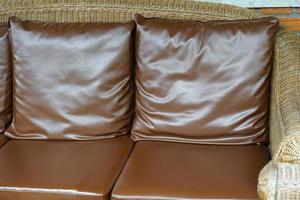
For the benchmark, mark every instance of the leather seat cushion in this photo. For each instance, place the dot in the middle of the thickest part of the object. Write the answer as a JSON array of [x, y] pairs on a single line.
[[64, 170], [162, 170]]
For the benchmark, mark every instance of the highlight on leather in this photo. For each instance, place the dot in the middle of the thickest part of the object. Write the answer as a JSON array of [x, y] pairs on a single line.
[[203, 81], [71, 80]]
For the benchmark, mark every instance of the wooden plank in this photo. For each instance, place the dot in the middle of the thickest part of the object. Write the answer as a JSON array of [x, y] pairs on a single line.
[[259, 3], [275, 11], [291, 23]]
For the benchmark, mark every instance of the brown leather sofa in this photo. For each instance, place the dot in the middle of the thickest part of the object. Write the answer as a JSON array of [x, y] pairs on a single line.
[[41, 166]]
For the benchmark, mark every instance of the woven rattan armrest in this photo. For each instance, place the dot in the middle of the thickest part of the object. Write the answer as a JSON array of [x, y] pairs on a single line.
[[285, 100]]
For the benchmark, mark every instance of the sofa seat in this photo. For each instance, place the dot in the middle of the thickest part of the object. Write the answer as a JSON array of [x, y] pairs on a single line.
[[163, 170], [63, 170]]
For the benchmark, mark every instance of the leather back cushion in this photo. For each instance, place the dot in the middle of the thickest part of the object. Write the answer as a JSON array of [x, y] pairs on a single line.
[[203, 82], [71, 80], [5, 79]]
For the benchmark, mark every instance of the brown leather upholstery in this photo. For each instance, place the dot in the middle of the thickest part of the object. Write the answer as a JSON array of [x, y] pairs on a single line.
[[3, 139], [5, 79], [164, 170], [61, 170], [71, 80], [203, 82]]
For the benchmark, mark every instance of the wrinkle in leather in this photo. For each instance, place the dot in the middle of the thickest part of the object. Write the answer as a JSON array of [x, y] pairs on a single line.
[[203, 82], [5, 79], [64, 170], [3, 140], [71, 80]]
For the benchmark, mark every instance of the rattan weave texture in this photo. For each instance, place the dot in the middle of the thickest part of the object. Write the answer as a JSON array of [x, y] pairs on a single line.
[[279, 181]]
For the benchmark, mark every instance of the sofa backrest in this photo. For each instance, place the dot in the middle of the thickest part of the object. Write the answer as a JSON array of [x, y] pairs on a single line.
[[118, 10], [124, 10]]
